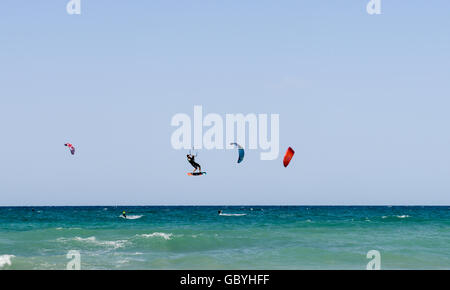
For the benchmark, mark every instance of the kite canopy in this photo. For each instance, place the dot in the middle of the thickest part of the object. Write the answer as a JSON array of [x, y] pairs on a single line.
[[71, 148], [241, 152], [288, 156]]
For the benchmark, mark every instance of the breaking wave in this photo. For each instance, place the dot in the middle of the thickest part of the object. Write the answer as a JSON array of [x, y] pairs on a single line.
[[233, 214], [396, 216], [158, 235], [131, 217], [6, 260], [94, 241]]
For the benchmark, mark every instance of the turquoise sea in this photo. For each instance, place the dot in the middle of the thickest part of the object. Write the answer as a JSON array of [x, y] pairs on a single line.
[[243, 237]]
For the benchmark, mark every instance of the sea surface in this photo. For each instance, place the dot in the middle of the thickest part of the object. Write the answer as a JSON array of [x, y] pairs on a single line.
[[243, 237]]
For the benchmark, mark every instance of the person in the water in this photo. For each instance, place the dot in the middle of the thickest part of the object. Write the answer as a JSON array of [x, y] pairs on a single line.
[[219, 212], [191, 160], [124, 214]]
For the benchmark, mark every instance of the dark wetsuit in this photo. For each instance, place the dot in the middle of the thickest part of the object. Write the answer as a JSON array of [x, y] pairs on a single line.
[[191, 160]]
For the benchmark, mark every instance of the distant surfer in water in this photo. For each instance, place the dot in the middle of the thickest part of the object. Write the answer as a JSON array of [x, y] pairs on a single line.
[[191, 160], [219, 212], [124, 214]]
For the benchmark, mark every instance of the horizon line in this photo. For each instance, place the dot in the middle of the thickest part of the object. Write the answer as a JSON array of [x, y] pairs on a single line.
[[234, 205]]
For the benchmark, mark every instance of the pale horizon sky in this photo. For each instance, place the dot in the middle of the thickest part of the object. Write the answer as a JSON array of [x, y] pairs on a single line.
[[363, 100]]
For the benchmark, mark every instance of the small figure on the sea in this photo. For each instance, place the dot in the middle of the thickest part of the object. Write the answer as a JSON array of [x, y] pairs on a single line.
[[124, 214], [219, 212]]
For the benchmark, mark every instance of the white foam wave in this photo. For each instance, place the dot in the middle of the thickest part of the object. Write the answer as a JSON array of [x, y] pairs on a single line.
[[232, 214], [397, 216], [403, 216], [131, 217], [61, 228], [6, 260], [160, 235], [93, 240]]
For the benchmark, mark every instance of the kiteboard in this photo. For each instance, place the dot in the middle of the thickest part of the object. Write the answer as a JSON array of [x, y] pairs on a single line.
[[196, 173]]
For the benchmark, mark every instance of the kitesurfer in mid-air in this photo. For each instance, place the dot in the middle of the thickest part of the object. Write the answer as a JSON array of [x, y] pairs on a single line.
[[191, 160]]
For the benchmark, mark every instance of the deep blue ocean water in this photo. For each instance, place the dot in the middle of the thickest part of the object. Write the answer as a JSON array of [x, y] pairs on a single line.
[[244, 237]]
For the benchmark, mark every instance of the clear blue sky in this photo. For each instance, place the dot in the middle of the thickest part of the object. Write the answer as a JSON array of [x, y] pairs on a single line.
[[364, 100]]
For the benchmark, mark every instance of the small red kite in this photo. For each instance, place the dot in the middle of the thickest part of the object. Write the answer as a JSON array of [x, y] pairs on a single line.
[[288, 156]]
